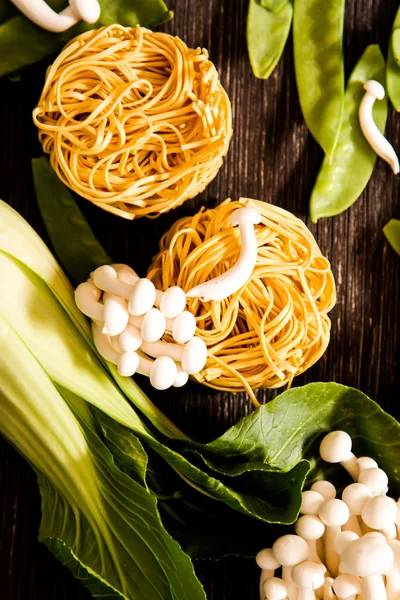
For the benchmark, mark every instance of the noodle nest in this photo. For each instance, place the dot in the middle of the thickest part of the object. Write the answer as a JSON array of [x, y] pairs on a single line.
[[273, 328], [134, 121]]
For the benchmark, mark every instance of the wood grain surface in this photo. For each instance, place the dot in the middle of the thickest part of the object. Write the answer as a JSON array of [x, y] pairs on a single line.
[[273, 158]]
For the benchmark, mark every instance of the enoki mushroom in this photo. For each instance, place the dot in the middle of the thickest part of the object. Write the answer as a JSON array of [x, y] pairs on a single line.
[[134, 121], [274, 327]]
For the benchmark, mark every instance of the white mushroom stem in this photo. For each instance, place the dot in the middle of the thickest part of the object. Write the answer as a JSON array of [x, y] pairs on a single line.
[[88, 10], [116, 314], [268, 564], [193, 355], [375, 91], [232, 280], [87, 297], [327, 591], [105, 278], [334, 513], [393, 574], [103, 344], [336, 448], [40, 13]]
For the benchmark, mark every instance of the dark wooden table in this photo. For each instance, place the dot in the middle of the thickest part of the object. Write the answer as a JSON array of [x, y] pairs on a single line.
[[273, 158]]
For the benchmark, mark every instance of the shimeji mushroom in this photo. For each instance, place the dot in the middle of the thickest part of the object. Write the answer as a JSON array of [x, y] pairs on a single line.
[[355, 496], [308, 577], [193, 355], [375, 479], [116, 314], [336, 448], [87, 299], [162, 372], [40, 13], [366, 462], [130, 339], [393, 574], [172, 302], [289, 551], [142, 297], [128, 363], [236, 277], [105, 278], [347, 587], [311, 502], [268, 564], [153, 325], [375, 91], [334, 513], [327, 591], [325, 488], [275, 589], [311, 529], [369, 557], [380, 512], [182, 327]]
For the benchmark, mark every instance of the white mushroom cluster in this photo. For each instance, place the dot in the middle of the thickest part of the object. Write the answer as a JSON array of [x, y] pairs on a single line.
[[130, 318], [344, 549]]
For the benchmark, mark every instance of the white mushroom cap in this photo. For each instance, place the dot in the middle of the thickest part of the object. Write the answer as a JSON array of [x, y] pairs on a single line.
[[379, 512], [347, 586], [173, 302], [181, 378], [266, 560], [194, 356], [375, 479], [375, 88], [342, 539], [130, 339], [290, 550], [336, 447], [127, 364], [308, 575], [366, 462], [275, 589], [184, 327], [153, 325], [245, 215], [142, 297], [334, 513], [163, 373], [310, 527], [325, 488], [311, 502], [355, 496], [368, 556]]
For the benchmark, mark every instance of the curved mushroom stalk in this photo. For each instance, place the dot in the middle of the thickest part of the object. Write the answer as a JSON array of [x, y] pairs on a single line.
[[232, 280], [40, 13], [193, 355], [375, 91], [87, 299]]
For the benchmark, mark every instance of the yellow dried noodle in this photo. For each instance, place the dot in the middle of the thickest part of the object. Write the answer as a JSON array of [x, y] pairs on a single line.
[[134, 121], [276, 326]]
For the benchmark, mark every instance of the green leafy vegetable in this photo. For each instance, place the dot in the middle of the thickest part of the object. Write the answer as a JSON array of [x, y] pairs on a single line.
[[392, 233], [340, 183], [88, 253], [98, 522], [319, 66], [393, 67], [22, 43], [267, 33]]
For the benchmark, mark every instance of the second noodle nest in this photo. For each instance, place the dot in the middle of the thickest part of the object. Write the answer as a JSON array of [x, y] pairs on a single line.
[[276, 326]]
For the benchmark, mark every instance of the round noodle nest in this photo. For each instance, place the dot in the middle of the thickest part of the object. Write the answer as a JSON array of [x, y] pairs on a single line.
[[134, 121], [273, 328]]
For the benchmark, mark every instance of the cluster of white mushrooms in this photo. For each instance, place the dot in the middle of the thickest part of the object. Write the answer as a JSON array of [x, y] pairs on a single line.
[[344, 549], [129, 318]]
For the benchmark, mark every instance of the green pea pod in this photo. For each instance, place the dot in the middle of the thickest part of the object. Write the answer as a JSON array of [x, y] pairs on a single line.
[[318, 59], [274, 5], [267, 33], [393, 68], [392, 233], [340, 183]]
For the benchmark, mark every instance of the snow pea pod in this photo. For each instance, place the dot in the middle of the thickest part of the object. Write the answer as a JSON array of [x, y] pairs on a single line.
[[393, 68], [318, 59], [340, 183], [392, 233], [267, 32], [274, 5]]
